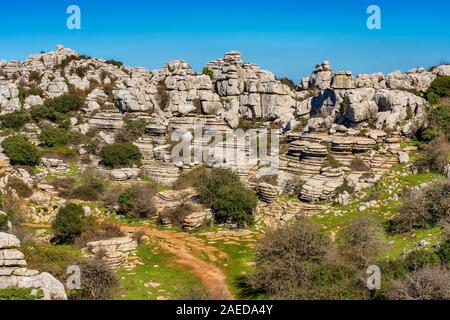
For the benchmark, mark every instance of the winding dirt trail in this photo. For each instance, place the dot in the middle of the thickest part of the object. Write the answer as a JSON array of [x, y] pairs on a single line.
[[191, 252]]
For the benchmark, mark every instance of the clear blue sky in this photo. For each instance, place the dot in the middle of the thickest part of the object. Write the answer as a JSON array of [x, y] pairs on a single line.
[[287, 37]]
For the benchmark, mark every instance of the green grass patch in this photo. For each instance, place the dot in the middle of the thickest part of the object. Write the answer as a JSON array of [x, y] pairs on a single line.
[[159, 276]]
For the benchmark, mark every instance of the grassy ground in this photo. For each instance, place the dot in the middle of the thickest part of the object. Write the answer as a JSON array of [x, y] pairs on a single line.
[[386, 194], [158, 277]]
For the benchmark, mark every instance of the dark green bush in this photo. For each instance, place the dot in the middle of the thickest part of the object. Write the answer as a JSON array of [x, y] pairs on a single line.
[[439, 119], [421, 259], [3, 222], [20, 151], [444, 252], [69, 223], [15, 120], [120, 154], [54, 137], [288, 82], [224, 192], [440, 87], [64, 104]]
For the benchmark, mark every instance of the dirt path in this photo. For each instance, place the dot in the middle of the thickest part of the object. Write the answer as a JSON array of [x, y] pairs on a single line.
[[191, 252], [195, 254]]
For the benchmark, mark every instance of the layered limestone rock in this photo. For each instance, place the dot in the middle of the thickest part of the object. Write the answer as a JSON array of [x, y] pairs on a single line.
[[323, 186], [114, 252], [267, 192], [13, 271], [197, 219]]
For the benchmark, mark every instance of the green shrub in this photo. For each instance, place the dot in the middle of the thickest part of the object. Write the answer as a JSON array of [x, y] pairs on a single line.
[[421, 259], [224, 192], [97, 230], [15, 120], [137, 202], [440, 87], [20, 151], [439, 119], [444, 252], [235, 203], [208, 72], [120, 154], [64, 104], [54, 137], [359, 165], [22, 189], [21, 294], [3, 222], [69, 223]]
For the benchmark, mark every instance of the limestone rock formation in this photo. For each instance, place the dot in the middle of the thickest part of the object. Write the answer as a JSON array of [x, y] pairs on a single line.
[[13, 271]]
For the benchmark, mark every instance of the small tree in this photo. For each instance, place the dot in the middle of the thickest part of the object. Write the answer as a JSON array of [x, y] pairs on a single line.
[[97, 281], [20, 151], [69, 223], [120, 154], [137, 202], [361, 240]]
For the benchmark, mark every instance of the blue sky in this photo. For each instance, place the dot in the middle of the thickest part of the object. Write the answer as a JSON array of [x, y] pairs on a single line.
[[287, 37]]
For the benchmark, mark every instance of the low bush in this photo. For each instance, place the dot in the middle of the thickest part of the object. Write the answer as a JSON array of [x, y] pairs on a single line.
[[434, 156], [15, 120], [115, 63], [444, 252], [440, 87], [21, 188], [137, 202], [421, 259], [431, 283], [89, 187], [423, 208], [54, 137], [64, 104], [20, 151], [120, 154], [439, 119], [69, 223], [98, 282]]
